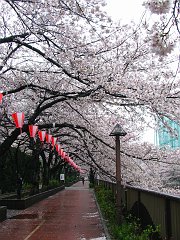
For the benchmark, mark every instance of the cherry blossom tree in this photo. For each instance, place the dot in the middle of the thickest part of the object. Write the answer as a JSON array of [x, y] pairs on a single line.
[[164, 31], [75, 73]]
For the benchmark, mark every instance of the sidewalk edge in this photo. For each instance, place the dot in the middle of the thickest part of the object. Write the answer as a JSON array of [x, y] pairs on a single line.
[[107, 235]]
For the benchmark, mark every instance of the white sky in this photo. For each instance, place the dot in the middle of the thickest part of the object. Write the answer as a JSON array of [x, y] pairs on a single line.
[[125, 10]]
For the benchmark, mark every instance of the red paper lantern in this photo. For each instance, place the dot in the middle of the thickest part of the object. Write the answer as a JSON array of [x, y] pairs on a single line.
[[67, 158], [61, 152], [54, 139], [70, 160], [42, 135], [33, 130], [64, 155], [18, 119], [48, 138], [77, 167], [1, 97], [57, 148], [73, 165]]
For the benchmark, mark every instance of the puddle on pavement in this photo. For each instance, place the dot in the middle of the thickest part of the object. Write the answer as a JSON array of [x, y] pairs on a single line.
[[91, 215], [99, 238]]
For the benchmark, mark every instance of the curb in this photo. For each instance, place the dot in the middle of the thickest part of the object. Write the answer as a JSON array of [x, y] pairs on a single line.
[[107, 235]]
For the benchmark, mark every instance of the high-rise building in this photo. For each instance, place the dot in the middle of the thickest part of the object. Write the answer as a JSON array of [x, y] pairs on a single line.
[[168, 136]]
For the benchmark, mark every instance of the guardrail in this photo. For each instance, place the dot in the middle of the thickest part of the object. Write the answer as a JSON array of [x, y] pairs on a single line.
[[152, 208]]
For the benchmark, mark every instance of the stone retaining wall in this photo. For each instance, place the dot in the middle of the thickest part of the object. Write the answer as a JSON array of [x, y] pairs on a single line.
[[27, 202], [3, 213]]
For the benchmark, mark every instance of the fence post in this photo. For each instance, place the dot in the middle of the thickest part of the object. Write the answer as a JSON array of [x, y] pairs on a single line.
[[139, 202], [126, 199], [168, 222]]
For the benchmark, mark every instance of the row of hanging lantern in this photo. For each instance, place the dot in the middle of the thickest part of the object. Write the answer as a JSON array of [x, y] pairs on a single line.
[[18, 119], [66, 158], [33, 130]]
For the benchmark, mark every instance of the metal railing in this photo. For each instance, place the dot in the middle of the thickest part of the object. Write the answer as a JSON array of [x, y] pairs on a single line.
[[162, 209]]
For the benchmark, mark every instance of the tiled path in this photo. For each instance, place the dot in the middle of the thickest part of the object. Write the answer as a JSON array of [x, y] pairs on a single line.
[[71, 214]]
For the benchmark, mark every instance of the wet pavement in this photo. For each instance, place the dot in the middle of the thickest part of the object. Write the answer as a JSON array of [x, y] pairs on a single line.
[[71, 214]]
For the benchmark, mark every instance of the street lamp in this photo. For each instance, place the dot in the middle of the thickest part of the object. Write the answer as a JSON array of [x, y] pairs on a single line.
[[117, 132]]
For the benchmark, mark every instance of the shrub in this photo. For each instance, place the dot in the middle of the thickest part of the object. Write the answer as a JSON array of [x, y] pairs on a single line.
[[27, 186], [91, 185], [53, 183]]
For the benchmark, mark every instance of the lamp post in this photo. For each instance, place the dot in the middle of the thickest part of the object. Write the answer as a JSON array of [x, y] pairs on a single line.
[[117, 132]]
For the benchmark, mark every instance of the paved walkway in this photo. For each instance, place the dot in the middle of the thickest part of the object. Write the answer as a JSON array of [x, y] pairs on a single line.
[[71, 214]]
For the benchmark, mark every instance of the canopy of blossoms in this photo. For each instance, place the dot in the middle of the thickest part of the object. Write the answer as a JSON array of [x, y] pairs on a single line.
[[74, 73]]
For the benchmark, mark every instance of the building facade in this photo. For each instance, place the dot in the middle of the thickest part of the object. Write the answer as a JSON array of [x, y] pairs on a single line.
[[168, 137]]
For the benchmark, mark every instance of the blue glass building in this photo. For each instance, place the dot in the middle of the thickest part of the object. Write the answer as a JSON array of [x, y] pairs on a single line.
[[165, 138]]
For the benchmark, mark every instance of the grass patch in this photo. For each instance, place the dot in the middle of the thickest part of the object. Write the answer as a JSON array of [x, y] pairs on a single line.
[[130, 229]]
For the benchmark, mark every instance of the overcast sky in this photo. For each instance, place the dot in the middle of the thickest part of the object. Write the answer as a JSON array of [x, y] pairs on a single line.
[[126, 10]]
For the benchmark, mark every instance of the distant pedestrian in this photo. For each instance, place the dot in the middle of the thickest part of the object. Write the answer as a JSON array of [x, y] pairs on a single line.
[[82, 180]]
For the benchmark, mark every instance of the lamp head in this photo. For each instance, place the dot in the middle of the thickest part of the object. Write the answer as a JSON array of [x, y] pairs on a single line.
[[118, 131]]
